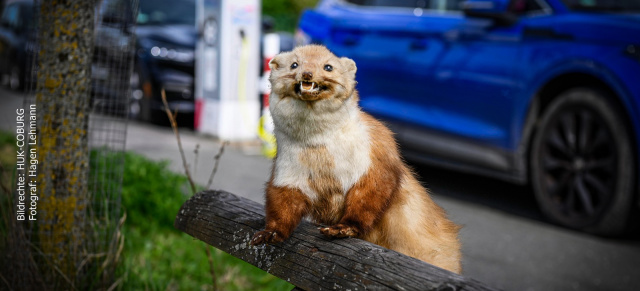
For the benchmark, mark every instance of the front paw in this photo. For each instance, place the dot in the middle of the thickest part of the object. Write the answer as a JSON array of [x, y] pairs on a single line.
[[267, 237], [339, 231]]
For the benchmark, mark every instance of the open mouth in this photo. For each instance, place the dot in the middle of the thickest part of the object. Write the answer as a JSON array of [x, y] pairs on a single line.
[[308, 90], [308, 86]]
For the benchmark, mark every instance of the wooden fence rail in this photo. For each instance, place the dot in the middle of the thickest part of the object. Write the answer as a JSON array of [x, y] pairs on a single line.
[[308, 259]]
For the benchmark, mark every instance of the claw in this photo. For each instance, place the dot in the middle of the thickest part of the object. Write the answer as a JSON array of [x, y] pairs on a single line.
[[266, 237], [339, 231]]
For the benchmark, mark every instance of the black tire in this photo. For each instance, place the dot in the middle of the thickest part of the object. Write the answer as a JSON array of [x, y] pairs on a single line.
[[582, 164]]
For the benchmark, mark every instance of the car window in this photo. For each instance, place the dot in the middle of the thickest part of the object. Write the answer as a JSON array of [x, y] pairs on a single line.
[[523, 7], [604, 5], [116, 12], [159, 12], [10, 16], [441, 5]]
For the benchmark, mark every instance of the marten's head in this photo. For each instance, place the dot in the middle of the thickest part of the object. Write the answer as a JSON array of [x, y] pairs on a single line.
[[312, 73]]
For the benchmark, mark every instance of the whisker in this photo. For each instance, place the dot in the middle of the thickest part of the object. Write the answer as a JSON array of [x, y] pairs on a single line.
[[290, 76]]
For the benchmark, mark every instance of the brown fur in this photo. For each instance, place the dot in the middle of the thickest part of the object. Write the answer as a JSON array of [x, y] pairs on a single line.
[[282, 220], [386, 205]]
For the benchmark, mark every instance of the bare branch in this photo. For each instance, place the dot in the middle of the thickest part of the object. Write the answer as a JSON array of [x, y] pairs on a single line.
[[217, 161], [174, 126], [213, 272], [195, 158]]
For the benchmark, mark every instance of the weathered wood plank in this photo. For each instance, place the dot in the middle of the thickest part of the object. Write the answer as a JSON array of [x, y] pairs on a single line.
[[308, 259]]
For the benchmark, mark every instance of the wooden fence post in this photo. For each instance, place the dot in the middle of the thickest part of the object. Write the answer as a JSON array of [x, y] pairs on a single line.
[[308, 259]]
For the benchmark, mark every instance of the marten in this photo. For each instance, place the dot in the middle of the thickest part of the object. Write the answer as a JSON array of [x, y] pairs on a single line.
[[340, 167]]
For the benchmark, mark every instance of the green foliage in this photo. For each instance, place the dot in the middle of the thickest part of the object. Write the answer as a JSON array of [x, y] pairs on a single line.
[[286, 12], [158, 257]]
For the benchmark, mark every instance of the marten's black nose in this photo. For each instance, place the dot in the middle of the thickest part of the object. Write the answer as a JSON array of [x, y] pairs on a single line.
[[307, 75]]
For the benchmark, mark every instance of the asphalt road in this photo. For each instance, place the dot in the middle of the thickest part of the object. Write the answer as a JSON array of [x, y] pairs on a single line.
[[506, 242]]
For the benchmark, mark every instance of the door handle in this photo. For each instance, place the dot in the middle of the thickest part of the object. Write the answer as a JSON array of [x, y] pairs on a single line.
[[350, 41], [545, 32]]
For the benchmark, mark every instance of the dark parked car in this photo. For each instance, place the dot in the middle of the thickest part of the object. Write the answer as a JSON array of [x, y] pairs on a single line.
[[112, 54], [114, 41], [165, 53], [16, 42], [545, 92]]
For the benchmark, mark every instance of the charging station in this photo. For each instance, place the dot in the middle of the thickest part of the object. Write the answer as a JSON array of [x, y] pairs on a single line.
[[227, 68]]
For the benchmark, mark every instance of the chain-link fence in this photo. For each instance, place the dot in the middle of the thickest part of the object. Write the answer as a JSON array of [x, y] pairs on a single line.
[[76, 107]]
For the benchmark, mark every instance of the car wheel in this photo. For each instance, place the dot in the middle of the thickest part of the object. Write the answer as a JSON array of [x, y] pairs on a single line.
[[583, 169]]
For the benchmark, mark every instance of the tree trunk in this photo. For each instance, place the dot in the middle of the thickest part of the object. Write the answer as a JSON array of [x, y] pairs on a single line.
[[65, 35]]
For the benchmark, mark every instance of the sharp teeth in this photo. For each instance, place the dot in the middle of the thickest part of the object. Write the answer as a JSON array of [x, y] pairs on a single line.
[[312, 87]]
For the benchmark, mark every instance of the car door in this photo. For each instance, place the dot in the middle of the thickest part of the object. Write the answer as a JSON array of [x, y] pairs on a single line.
[[481, 73], [377, 35], [396, 45], [477, 77]]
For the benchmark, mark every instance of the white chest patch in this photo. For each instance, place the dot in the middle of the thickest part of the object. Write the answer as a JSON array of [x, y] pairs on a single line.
[[319, 147]]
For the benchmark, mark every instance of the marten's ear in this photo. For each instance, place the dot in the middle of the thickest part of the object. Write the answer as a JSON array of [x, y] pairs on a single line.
[[277, 61], [273, 63], [349, 66]]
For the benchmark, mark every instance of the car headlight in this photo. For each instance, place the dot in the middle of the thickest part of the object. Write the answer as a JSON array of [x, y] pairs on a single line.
[[170, 54]]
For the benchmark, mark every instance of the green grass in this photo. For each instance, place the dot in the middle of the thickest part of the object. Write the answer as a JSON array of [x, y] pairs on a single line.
[[158, 257], [7, 151], [7, 172]]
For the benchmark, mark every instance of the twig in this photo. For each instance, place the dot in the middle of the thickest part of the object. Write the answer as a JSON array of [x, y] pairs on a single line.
[[213, 272], [6, 282], [120, 248], [195, 158], [52, 265], [116, 284], [174, 126], [86, 260], [217, 161]]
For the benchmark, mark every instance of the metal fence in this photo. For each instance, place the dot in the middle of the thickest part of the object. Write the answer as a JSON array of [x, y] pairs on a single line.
[[78, 95]]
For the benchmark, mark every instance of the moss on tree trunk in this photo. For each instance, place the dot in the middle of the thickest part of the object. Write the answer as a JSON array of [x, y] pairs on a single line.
[[63, 91]]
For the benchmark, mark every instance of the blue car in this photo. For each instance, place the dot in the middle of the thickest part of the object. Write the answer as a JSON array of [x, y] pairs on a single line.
[[545, 92]]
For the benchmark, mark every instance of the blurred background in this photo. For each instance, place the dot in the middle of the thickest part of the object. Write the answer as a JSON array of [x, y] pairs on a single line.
[[521, 116]]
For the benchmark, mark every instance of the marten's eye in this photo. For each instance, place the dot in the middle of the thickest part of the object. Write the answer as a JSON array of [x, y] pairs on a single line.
[[294, 65], [328, 68]]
